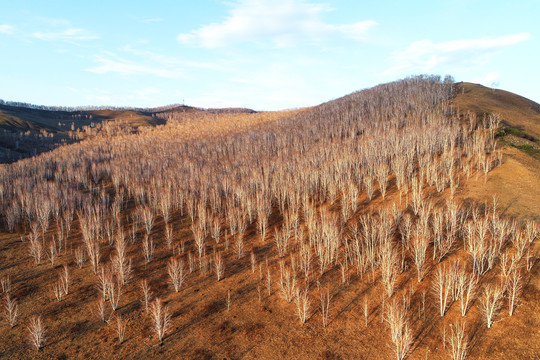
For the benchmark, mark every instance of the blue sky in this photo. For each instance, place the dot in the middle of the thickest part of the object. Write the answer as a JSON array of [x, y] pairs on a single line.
[[265, 55]]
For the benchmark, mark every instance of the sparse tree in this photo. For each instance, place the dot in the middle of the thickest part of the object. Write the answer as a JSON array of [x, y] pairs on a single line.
[[219, 265], [458, 341], [11, 310], [514, 290], [324, 295], [303, 303], [490, 303], [177, 275], [161, 318], [36, 332], [146, 294]]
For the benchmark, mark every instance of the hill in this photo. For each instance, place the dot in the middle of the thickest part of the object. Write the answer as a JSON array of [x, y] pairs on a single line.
[[364, 227], [27, 130], [516, 181], [515, 111]]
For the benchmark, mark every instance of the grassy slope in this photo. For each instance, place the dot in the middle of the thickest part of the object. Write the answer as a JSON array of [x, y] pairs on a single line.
[[515, 110], [516, 182]]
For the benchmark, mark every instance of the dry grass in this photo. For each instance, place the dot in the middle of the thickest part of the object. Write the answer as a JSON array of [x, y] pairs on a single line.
[[345, 261]]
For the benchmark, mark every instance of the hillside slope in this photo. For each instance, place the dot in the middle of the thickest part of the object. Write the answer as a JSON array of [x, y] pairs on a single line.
[[13, 117], [515, 183], [352, 229], [516, 111], [27, 130]]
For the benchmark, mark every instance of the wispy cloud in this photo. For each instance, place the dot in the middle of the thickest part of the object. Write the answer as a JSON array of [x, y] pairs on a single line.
[[111, 63], [280, 22], [132, 61], [168, 61], [6, 29], [66, 35], [425, 55]]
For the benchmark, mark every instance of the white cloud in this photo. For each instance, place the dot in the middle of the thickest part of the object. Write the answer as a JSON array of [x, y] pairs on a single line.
[[357, 30], [114, 64], [6, 29], [142, 62], [490, 79], [169, 61], [281, 22], [66, 35], [425, 55]]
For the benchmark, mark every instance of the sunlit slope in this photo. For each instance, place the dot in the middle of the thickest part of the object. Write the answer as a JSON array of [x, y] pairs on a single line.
[[515, 110], [516, 182]]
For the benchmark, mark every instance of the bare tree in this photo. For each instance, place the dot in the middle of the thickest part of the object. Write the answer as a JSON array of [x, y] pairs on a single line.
[[146, 294], [36, 332], [169, 236], [514, 290], [490, 303], [389, 267], [400, 331], [120, 328], [324, 295], [458, 341], [148, 248], [303, 303], [253, 262], [262, 223], [177, 275], [287, 282], [442, 287], [6, 284], [419, 246], [366, 310], [219, 265], [147, 216], [35, 248], [114, 289], [216, 229], [11, 310], [64, 279], [79, 257], [101, 310], [282, 240], [161, 318], [198, 235]]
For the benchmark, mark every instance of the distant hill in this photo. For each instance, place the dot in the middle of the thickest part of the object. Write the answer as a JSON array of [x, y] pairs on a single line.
[[27, 130]]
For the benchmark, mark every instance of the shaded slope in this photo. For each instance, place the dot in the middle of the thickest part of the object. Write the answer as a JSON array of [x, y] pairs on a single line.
[[27, 130], [12, 117]]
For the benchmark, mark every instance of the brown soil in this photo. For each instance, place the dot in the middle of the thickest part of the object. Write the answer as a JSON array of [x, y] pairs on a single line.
[[203, 328]]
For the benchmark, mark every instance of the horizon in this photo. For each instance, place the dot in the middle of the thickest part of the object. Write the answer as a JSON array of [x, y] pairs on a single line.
[[256, 54]]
